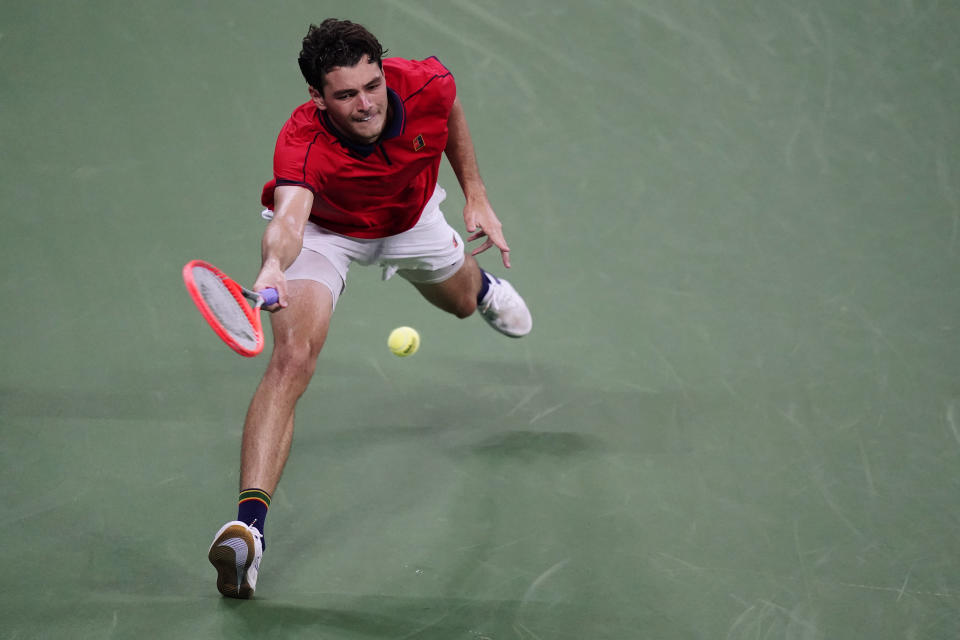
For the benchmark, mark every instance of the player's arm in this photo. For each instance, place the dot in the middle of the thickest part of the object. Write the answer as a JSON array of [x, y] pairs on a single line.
[[477, 214], [283, 238]]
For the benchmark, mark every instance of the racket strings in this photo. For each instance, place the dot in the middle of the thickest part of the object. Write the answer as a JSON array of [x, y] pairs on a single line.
[[230, 310]]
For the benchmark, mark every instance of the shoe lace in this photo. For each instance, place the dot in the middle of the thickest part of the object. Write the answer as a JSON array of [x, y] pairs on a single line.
[[494, 298], [254, 531]]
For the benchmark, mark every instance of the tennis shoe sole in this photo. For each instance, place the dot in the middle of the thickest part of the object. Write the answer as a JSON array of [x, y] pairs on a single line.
[[235, 553]]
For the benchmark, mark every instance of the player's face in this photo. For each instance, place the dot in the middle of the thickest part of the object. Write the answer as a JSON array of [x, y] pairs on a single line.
[[355, 98]]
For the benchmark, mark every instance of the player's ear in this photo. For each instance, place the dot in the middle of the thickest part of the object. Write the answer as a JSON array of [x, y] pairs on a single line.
[[317, 98]]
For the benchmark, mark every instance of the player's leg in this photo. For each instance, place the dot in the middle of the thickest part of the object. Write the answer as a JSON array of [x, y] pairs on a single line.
[[431, 257], [471, 288], [458, 293], [314, 282], [299, 332]]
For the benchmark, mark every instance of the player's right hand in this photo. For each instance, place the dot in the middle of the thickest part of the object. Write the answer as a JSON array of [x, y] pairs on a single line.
[[272, 276]]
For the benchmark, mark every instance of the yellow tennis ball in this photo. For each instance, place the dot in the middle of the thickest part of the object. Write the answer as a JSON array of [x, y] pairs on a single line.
[[404, 341]]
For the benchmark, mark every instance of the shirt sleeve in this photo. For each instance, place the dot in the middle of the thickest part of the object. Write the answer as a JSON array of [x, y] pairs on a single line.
[[446, 85], [296, 154]]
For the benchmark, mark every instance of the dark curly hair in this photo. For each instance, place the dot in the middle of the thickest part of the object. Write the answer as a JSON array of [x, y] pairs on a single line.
[[336, 43]]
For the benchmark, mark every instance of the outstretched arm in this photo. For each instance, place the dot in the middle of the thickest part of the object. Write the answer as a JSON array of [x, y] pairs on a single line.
[[283, 239], [477, 214]]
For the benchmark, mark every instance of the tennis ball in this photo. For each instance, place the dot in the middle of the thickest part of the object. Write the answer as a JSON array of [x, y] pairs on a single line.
[[404, 341]]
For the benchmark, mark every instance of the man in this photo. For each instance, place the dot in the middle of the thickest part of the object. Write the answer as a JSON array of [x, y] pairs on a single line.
[[355, 180]]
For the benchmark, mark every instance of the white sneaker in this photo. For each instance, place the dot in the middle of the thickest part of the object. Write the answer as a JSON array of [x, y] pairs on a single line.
[[504, 309], [235, 553]]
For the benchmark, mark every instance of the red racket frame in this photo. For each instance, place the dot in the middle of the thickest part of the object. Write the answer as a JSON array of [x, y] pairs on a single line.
[[252, 313]]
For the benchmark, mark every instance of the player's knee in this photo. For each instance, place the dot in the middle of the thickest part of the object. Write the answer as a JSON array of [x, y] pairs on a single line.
[[293, 363], [465, 307]]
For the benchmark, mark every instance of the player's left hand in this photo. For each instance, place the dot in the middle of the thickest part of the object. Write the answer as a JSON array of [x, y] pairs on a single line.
[[483, 222]]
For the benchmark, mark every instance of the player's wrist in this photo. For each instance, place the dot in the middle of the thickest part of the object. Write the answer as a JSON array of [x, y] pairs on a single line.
[[270, 263], [476, 197]]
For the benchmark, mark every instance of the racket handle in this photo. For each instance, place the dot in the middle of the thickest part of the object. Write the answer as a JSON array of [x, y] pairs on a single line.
[[270, 296]]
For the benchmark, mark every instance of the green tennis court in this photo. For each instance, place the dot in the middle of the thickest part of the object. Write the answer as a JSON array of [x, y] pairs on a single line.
[[738, 413]]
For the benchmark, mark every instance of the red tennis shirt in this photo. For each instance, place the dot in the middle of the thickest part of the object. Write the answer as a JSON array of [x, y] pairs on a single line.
[[376, 190]]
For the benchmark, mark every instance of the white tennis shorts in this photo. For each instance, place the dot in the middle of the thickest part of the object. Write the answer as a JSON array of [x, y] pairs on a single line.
[[430, 252]]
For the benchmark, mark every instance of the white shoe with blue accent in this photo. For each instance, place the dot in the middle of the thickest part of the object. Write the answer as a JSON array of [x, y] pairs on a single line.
[[235, 553], [504, 309]]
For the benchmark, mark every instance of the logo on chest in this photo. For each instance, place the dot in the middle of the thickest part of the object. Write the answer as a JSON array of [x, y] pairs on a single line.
[[418, 143]]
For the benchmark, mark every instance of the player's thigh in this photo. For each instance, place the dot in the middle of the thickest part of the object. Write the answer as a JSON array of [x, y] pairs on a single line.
[[327, 262], [301, 328]]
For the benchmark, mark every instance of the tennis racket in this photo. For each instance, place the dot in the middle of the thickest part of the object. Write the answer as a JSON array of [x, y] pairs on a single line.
[[224, 305]]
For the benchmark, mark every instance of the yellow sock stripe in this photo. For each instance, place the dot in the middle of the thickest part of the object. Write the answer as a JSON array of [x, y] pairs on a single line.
[[255, 494]]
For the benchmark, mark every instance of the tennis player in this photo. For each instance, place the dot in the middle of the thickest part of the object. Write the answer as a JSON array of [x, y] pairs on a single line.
[[355, 181]]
